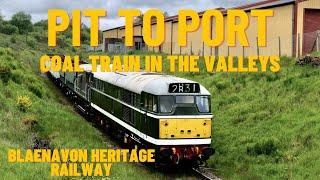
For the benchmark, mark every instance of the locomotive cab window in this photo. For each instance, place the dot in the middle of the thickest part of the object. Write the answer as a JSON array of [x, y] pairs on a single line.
[[154, 104], [184, 99], [150, 102], [166, 104], [203, 104]]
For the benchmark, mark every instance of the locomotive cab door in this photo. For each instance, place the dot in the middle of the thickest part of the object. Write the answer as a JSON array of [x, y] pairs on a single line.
[[143, 104], [89, 84], [81, 85]]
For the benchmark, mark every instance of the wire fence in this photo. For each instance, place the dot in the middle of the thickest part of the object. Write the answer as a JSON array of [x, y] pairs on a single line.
[[285, 45]]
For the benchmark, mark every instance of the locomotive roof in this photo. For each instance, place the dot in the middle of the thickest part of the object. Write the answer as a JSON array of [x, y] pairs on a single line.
[[153, 83]]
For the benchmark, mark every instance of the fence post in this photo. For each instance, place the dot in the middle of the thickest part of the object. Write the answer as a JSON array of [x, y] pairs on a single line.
[[202, 48], [191, 48], [298, 45], [216, 51], [293, 46], [318, 34], [243, 51], [279, 46], [180, 50], [317, 43], [228, 50], [258, 50]]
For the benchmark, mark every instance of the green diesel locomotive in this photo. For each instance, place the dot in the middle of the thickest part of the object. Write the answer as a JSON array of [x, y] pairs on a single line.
[[150, 110]]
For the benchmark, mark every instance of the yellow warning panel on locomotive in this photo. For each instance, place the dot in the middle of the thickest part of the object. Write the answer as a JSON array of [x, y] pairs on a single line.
[[185, 128]]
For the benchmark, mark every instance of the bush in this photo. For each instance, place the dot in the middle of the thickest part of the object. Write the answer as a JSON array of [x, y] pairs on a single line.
[[43, 24], [63, 42], [9, 51], [31, 42], [13, 39], [9, 29], [24, 103], [5, 72], [2, 51], [40, 37]]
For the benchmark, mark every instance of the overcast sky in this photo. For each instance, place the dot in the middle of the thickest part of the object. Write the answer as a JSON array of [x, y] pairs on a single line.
[[39, 8]]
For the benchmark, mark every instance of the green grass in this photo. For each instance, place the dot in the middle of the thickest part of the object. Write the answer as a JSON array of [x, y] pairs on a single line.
[[316, 53]]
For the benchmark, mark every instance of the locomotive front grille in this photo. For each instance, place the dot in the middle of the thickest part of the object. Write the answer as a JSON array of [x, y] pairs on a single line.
[[184, 128]]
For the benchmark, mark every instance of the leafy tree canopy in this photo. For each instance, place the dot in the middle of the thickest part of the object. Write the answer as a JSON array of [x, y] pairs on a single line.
[[42, 23], [23, 22]]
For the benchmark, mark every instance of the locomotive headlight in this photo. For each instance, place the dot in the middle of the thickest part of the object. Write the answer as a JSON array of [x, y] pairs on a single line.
[[174, 151], [197, 150]]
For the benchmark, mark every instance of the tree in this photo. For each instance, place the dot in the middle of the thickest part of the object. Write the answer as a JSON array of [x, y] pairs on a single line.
[[85, 36], [1, 20], [42, 23], [166, 14], [139, 19], [23, 22], [8, 29]]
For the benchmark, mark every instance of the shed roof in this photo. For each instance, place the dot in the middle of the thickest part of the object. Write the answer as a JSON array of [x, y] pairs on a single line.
[[256, 5]]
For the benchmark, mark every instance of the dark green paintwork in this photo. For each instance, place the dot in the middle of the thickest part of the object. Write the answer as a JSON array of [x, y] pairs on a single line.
[[140, 121]]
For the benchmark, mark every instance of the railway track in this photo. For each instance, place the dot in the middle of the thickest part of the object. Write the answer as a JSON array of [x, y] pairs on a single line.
[[205, 173]]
